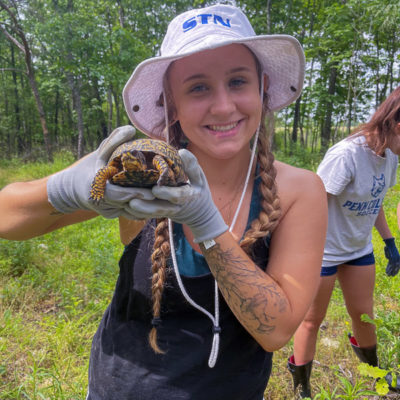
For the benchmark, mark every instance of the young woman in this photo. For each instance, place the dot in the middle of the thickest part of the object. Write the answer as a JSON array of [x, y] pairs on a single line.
[[217, 273], [357, 172]]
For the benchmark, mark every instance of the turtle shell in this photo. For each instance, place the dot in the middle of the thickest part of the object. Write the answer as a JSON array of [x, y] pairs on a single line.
[[140, 163]]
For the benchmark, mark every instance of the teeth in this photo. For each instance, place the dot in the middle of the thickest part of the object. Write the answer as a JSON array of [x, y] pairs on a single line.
[[222, 128]]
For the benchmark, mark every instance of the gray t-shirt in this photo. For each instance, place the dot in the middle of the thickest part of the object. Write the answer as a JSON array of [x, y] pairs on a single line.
[[358, 179]]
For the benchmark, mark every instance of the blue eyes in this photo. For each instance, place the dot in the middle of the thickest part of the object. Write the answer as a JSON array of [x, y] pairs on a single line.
[[237, 82], [234, 83], [198, 89]]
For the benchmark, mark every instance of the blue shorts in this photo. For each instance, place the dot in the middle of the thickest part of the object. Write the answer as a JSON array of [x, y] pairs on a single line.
[[368, 259]]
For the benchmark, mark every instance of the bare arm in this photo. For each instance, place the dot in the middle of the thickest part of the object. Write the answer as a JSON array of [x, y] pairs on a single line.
[[26, 212], [129, 229], [381, 225], [271, 304]]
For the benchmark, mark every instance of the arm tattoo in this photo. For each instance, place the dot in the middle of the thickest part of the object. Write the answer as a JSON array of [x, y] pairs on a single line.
[[243, 286], [56, 212]]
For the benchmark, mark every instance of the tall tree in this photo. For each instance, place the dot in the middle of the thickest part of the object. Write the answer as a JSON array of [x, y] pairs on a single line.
[[23, 46]]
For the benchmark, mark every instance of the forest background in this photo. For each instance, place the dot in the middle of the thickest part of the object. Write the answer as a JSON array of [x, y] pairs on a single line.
[[63, 64]]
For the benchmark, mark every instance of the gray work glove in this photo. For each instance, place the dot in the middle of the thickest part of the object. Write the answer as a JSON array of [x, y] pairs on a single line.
[[69, 190], [191, 204]]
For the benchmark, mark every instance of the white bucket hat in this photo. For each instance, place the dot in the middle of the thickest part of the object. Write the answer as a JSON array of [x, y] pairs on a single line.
[[281, 58]]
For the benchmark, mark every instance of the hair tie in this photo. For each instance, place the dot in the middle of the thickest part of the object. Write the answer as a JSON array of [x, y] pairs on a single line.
[[156, 322]]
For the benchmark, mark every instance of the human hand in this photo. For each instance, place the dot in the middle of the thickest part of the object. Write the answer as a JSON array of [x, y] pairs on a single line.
[[190, 204], [69, 190], [392, 254]]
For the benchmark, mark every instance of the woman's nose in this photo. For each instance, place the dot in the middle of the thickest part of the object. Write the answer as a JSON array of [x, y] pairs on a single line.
[[223, 102]]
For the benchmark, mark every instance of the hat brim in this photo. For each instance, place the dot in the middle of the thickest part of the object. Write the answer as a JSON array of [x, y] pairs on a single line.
[[281, 58]]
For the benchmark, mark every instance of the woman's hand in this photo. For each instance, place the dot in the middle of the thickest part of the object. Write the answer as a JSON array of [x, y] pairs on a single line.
[[393, 256], [190, 204], [69, 190]]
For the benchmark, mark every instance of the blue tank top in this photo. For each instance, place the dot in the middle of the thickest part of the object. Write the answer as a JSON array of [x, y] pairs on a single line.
[[124, 367], [192, 263]]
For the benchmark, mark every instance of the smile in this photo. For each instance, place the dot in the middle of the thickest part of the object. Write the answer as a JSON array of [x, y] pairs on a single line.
[[222, 128]]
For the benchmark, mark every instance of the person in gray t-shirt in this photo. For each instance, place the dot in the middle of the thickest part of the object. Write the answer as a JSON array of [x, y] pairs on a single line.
[[356, 172]]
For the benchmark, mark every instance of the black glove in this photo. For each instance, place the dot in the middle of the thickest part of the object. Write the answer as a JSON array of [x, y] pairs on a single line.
[[392, 254]]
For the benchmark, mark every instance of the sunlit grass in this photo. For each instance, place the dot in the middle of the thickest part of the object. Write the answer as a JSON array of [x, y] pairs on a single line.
[[55, 288]]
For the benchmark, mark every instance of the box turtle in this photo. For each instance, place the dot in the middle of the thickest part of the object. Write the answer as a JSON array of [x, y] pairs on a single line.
[[140, 163]]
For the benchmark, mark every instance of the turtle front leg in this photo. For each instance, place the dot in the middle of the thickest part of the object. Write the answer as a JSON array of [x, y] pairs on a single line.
[[167, 177], [99, 182]]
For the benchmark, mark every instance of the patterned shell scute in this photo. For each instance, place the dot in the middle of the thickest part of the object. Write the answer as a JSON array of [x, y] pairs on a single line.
[[150, 146]]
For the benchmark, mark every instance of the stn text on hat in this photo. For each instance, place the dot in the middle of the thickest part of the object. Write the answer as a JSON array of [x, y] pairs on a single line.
[[203, 19]]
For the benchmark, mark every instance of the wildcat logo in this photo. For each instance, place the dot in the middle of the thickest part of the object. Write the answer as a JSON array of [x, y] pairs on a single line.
[[378, 186], [204, 19]]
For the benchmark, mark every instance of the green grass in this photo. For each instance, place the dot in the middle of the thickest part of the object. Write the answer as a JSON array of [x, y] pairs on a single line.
[[55, 288], [335, 366]]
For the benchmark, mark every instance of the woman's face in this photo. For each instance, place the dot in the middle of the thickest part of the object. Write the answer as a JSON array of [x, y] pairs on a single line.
[[217, 99]]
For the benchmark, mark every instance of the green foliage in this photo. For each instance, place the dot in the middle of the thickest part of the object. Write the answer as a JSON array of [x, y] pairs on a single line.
[[17, 169], [378, 374], [53, 292], [353, 391], [55, 288], [326, 394], [299, 157], [97, 44], [334, 357]]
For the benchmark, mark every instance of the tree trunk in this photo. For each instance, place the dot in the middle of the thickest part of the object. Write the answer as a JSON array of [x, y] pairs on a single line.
[[24, 47], [18, 135], [296, 119], [77, 105], [121, 14], [110, 110], [102, 120], [269, 16], [56, 106], [327, 123], [116, 102], [350, 115]]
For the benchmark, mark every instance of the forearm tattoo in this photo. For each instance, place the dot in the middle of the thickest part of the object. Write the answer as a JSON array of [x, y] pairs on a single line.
[[255, 302], [56, 212]]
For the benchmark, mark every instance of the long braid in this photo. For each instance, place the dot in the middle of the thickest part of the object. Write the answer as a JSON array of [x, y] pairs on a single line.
[[161, 247], [161, 252], [270, 206], [260, 227]]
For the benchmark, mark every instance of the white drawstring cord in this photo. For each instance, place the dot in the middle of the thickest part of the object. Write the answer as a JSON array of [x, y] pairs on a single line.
[[253, 153], [166, 116], [214, 318]]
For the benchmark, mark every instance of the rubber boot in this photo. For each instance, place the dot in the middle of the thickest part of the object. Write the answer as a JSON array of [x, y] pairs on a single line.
[[369, 355], [301, 378], [365, 354]]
